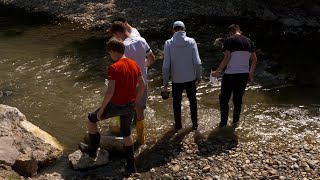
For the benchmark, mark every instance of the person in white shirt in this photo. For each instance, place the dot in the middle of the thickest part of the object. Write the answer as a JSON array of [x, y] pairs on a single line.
[[137, 49], [132, 30], [183, 64]]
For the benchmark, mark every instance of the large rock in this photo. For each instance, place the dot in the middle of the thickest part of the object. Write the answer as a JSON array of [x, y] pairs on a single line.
[[8, 152], [291, 22], [26, 145], [79, 160], [6, 172]]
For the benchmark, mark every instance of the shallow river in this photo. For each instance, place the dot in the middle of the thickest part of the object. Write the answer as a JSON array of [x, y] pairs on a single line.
[[54, 73]]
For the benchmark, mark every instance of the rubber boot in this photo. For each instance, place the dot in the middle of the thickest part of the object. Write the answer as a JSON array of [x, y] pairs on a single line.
[[92, 147], [140, 132], [130, 166]]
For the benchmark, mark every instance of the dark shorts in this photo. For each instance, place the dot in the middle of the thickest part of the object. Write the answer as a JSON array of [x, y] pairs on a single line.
[[125, 111]]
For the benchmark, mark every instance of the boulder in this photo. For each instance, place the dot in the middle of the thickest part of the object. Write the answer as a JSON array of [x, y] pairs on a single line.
[[8, 152], [80, 161], [290, 22], [268, 15], [26, 144], [6, 172]]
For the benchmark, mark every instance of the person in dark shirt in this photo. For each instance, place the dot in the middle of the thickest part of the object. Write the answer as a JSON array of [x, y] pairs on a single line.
[[238, 52]]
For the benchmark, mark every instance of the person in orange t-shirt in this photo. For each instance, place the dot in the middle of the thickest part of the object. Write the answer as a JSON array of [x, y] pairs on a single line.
[[119, 100]]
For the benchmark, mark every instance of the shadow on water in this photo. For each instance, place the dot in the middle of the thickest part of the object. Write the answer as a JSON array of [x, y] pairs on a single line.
[[89, 54], [162, 151], [14, 21]]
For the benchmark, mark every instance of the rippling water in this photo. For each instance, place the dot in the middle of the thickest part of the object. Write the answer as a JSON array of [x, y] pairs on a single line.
[[54, 73]]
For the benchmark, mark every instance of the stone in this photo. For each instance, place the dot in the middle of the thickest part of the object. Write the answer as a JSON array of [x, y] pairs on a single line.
[[168, 176], [53, 176], [35, 146], [26, 166], [6, 172], [206, 169], [8, 152], [80, 161], [175, 168], [290, 22], [268, 15]]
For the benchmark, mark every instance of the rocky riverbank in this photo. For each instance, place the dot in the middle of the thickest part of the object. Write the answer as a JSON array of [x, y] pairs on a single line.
[[157, 15]]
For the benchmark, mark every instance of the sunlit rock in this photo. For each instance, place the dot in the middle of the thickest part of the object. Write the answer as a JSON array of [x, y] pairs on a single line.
[[79, 160], [31, 147]]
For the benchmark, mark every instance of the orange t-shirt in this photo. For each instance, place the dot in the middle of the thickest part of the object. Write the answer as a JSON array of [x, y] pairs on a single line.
[[125, 72]]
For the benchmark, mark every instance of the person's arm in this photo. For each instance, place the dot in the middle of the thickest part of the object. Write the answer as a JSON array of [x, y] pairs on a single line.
[[141, 88], [150, 59], [223, 64], [253, 65], [196, 62], [108, 95], [166, 66]]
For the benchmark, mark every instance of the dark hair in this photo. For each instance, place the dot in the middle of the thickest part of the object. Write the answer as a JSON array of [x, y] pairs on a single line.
[[115, 45], [233, 28], [122, 19], [178, 28], [117, 26]]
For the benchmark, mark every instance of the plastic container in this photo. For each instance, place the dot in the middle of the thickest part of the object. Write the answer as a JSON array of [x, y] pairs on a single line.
[[213, 80]]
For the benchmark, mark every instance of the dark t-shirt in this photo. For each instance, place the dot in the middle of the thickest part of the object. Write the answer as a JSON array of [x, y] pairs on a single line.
[[238, 43]]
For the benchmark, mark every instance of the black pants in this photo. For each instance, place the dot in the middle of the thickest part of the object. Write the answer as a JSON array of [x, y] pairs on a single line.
[[232, 84], [191, 89]]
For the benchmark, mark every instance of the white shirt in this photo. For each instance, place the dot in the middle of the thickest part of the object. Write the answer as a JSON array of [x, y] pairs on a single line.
[[137, 48], [134, 33]]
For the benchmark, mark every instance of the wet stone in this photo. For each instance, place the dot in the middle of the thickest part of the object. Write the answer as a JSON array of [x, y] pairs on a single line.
[[206, 169]]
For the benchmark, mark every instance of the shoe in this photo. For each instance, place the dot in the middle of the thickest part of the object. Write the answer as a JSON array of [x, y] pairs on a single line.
[[194, 127], [84, 148], [221, 125], [235, 124], [130, 167], [178, 126]]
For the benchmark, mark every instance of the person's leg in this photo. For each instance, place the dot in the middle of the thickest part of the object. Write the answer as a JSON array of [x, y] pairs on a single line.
[[239, 89], [225, 94], [140, 107], [125, 128], [177, 89], [191, 89], [94, 136]]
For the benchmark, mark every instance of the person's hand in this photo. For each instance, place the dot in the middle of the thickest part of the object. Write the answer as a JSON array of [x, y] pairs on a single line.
[[197, 82], [166, 88], [99, 114], [250, 80], [215, 73]]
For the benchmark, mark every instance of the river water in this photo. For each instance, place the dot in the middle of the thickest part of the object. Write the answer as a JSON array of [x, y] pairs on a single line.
[[54, 71]]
